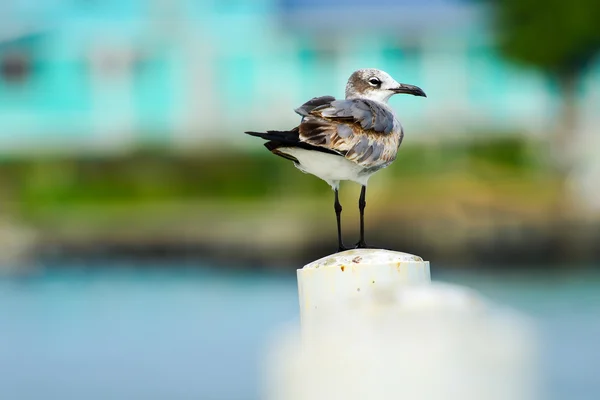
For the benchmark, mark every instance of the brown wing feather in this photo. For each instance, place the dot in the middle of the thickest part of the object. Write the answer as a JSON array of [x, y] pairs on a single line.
[[347, 136]]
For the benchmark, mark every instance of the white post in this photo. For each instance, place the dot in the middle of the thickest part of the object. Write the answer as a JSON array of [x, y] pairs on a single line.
[[340, 283], [374, 327]]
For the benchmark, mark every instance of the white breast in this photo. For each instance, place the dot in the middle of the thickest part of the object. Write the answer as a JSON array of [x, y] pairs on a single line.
[[329, 167]]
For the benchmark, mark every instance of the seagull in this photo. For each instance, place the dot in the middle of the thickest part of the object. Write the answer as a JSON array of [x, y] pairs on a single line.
[[345, 140]]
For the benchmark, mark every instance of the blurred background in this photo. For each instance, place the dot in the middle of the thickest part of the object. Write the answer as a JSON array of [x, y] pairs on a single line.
[[148, 245]]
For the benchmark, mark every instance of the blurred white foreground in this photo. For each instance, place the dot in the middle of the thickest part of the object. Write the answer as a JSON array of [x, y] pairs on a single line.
[[378, 329]]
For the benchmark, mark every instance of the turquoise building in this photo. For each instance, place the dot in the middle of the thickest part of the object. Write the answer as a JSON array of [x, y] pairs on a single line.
[[106, 75]]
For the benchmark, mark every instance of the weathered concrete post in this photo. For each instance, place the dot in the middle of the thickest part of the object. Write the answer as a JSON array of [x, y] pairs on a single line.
[[343, 282], [374, 327]]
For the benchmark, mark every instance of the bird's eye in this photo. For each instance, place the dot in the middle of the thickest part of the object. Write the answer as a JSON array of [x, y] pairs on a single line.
[[375, 81]]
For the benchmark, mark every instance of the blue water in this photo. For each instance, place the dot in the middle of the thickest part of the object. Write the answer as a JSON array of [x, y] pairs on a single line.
[[176, 333]]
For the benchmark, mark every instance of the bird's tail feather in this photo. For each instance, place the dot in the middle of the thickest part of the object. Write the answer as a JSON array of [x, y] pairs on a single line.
[[277, 135], [277, 139]]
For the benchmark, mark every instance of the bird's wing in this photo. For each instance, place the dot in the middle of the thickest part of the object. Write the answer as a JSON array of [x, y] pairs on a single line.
[[357, 129], [313, 103]]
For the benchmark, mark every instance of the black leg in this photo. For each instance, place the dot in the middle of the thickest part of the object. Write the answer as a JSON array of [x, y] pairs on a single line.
[[338, 214], [362, 203]]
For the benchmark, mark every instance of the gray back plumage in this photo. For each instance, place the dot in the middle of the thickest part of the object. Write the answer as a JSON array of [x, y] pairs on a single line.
[[362, 130], [370, 114], [313, 103]]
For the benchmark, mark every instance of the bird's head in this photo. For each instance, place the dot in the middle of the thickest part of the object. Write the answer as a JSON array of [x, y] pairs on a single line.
[[374, 84]]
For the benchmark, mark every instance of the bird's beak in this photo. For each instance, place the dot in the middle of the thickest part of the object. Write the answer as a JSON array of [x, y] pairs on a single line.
[[409, 89]]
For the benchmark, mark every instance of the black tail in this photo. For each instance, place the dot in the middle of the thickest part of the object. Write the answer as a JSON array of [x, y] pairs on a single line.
[[287, 137], [291, 138]]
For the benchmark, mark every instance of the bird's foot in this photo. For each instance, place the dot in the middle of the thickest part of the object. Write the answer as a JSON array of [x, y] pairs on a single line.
[[342, 248], [362, 245]]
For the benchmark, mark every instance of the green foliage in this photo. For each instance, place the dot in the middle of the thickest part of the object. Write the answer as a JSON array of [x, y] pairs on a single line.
[[557, 36], [507, 152], [150, 177]]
